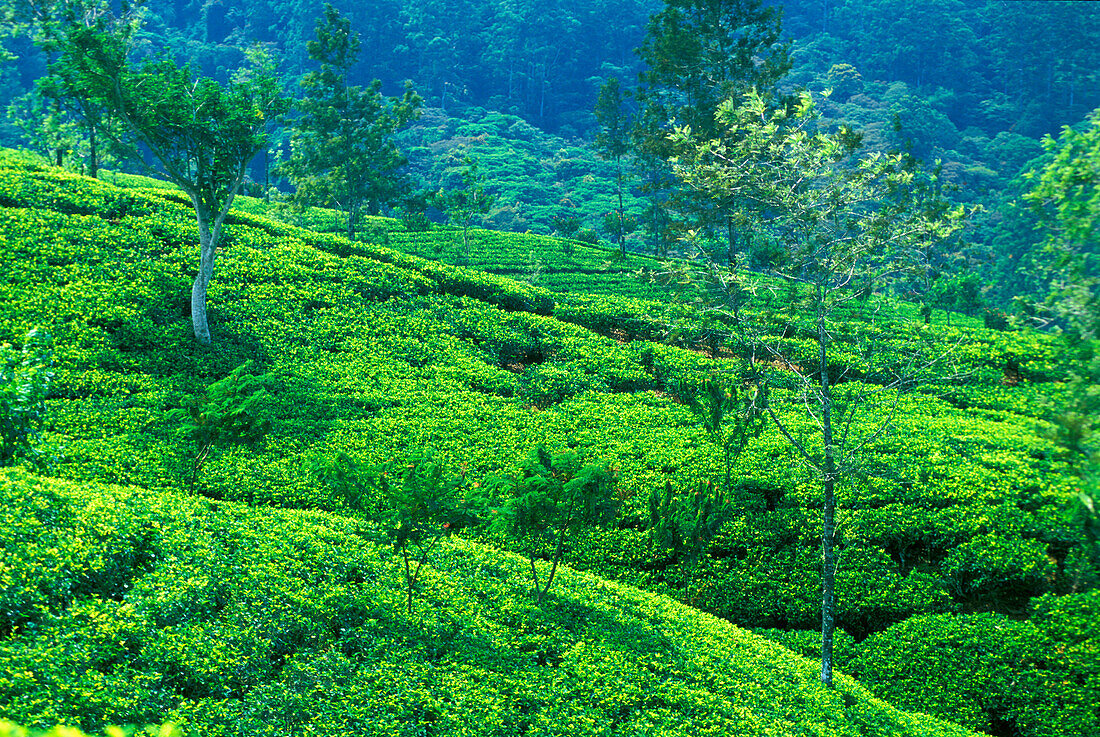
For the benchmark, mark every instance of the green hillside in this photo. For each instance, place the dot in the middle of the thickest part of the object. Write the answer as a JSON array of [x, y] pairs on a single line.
[[237, 617], [228, 619]]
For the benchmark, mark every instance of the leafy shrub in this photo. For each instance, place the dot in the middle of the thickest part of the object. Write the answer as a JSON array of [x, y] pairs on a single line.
[[588, 235], [685, 524], [551, 383], [25, 378], [229, 411], [992, 567], [1036, 678], [264, 621], [995, 319], [423, 503]]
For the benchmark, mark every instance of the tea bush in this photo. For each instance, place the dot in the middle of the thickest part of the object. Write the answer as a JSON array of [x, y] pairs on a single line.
[[993, 673], [376, 354], [253, 621]]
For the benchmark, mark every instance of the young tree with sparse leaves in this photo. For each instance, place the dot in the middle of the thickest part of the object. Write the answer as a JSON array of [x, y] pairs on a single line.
[[613, 144], [844, 221], [466, 203]]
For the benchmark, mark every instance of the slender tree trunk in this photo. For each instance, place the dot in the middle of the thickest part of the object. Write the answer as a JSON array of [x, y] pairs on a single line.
[[622, 209], [93, 154], [828, 527], [408, 576], [558, 552], [535, 578], [729, 234], [207, 245]]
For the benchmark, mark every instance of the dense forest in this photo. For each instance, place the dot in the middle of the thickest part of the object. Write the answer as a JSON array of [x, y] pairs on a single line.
[[516, 84], [589, 368]]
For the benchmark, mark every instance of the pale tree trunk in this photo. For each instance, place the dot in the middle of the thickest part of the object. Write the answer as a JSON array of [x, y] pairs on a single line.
[[202, 281], [208, 244]]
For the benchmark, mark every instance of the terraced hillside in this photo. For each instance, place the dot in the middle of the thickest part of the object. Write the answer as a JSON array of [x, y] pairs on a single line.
[[377, 355]]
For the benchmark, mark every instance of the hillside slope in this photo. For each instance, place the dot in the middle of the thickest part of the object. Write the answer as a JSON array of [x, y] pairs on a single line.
[[128, 606], [958, 530]]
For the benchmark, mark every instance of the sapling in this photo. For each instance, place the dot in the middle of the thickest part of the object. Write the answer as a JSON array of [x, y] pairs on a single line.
[[467, 203], [424, 503], [553, 496], [684, 524], [231, 411], [732, 412]]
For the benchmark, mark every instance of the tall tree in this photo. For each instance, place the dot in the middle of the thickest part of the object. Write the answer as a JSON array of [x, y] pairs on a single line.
[[197, 133], [699, 53], [52, 25], [843, 222], [342, 149], [613, 144], [1066, 193]]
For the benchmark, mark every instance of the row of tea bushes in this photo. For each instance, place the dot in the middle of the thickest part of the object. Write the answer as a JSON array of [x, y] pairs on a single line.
[[231, 620], [990, 672], [380, 354]]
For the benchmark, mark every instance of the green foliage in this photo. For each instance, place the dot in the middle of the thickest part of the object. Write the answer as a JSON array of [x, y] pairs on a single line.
[[805, 188], [699, 53], [613, 144], [25, 377], [685, 524], [554, 495], [199, 134], [1012, 570], [8, 729], [422, 502], [732, 412], [231, 411], [265, 621], [44, 127], [342, 146], [376, 351], [993, 673]]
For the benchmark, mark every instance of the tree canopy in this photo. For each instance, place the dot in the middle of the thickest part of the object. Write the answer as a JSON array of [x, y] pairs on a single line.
[[342, 149], [198, 133]]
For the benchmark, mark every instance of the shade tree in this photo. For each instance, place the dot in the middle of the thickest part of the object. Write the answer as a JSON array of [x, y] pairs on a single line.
[[467, 203], [1066, 194], [342, 150], [193, 131], [613, 144], [845, 221]]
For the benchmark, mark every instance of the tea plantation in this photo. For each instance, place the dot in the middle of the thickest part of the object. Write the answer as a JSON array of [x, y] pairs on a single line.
[[271, 600]]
